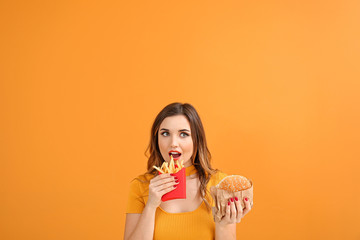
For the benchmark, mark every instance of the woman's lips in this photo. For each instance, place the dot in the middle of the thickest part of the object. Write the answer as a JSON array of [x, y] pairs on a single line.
[[174, 151]]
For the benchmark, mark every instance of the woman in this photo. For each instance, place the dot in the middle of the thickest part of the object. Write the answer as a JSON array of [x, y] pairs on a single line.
[[178, 128]]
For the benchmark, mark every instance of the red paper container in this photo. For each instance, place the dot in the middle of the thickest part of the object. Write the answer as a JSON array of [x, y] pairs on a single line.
[[180, 191]]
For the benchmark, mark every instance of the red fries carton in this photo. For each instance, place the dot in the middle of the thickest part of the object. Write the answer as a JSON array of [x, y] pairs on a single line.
[[178, 170], [180, 191]]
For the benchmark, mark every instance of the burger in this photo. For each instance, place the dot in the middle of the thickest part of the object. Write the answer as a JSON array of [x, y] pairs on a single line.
[[230, 187]]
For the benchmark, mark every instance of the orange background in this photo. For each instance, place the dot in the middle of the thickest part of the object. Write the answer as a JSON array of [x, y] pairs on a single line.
[[276, 84]]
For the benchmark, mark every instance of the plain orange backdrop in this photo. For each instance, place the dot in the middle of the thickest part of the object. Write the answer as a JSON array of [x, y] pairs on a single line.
[[276, 84]]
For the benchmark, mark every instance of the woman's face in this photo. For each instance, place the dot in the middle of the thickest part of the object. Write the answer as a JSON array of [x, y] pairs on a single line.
[[175, 135]]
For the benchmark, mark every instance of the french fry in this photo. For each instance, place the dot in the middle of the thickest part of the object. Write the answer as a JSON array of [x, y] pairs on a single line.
[[171, 167], [166, 169], [163, 165], [158, 169]]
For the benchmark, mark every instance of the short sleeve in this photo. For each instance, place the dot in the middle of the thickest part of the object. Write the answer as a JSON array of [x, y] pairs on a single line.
[[135, 202]]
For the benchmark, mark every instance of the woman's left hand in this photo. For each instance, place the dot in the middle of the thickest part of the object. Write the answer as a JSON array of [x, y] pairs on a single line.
[[234, 211]]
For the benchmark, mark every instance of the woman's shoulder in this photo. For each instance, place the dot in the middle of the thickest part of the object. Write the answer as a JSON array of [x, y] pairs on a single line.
[[139, 187], [216, 177], [220, 174]]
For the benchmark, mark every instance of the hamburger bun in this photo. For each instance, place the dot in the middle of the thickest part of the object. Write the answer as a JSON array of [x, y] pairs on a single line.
[[234, 183]]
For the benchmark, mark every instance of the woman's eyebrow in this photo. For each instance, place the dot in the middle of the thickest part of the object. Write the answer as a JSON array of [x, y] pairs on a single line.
[[179, 130]]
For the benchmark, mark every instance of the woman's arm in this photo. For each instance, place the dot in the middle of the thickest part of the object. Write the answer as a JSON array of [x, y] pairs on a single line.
[[144, 229], [226, 227], [225, 232]]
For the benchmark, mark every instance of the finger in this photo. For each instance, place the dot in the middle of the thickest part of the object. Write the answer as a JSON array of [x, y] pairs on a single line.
[[164, 180], [239, 210], [166, 190], [159, 177], [233, 210], [247, 206], [162, 176], [166, 185], [227, 214]]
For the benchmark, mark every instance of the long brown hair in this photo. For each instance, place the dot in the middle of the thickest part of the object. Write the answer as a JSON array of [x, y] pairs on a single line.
[[201, 157]]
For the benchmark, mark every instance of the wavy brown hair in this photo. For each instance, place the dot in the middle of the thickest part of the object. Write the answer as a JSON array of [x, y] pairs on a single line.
[[201, 157]]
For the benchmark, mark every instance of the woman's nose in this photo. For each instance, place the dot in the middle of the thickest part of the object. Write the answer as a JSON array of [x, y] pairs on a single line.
[[174, 142]]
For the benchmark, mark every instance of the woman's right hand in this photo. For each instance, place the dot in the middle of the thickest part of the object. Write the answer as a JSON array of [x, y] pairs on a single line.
[[158, 186]]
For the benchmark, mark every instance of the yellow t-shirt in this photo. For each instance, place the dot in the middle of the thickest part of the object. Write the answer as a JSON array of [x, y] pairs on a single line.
[[197, 224]]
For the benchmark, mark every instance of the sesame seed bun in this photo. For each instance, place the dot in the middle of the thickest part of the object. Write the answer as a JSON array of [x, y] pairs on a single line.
[[234, 183]]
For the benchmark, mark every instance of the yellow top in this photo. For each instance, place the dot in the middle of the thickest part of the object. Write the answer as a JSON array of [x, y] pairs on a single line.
[[197, 224]]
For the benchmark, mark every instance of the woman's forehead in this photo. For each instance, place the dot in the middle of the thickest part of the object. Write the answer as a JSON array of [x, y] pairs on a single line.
[[175, 123]]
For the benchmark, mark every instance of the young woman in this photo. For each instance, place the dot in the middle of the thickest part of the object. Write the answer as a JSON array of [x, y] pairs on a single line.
[[178, 128]]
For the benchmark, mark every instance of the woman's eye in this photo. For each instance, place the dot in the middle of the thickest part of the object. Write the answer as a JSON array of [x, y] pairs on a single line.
[[182, 134], [185, 134]]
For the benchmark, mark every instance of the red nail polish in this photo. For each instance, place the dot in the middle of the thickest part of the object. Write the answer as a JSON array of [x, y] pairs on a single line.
[[246, 199], [236, 199], [228, 203], [232, 199]]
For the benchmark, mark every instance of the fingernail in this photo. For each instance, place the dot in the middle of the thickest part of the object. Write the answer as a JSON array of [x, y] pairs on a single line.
[[177, 181], [246, 199], [236, 199], [228, 203], [232, 199]]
